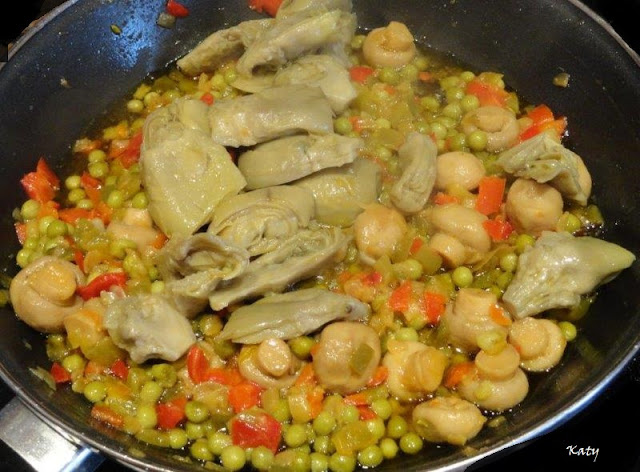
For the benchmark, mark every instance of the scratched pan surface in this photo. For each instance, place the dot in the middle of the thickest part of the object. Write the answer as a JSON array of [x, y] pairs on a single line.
[[528, 41]]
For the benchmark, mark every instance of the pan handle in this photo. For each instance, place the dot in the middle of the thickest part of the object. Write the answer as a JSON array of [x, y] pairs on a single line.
[[42, 447]]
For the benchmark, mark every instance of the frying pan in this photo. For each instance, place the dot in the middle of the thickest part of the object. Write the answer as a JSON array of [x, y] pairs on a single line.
[[70, 69]]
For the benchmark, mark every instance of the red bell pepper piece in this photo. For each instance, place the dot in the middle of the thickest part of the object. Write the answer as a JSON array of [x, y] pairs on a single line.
[[171, 413], [244, 396], [131, 153], [60, 374], [360, 74], [488, 94], [120, 369], [434, 306], [42, 184], [498, 229], [270, 7], [177, 9], [250, 430], [102, 282], [490, 195], [400, 297]]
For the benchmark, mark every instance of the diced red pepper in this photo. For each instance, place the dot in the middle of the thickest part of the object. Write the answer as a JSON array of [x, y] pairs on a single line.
[[490, 194], [425, 76], [107, 415], [416, 244], [498, 229], [60, 374], [401, 297], [197, 364], [270, 7], [442, 198], [372, 278], [542, 119], [78, 257], [120, 369], [366, 413], [72, 215], [379, 376], [42, 184], [102, 282], [434, 306], [360, 74], [456, 373], [207, 98], [177, 9], [244, 396], [21, 232], [250, 430], [171, 413], [498, 315], [131, 153], [223, 376], [488, 94]]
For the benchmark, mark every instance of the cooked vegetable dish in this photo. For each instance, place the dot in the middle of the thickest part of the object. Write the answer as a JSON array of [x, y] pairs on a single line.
[[311, 248]]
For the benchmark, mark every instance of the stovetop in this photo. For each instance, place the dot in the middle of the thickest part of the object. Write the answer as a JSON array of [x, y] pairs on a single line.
[[607, 425]]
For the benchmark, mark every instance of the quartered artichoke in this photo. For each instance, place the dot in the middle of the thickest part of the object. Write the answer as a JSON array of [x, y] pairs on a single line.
[[185, 173], [546, 161], [193, 267], [259, 221], [287, 159], [558, 269], [303, 255], [292, 314], [417, 159]]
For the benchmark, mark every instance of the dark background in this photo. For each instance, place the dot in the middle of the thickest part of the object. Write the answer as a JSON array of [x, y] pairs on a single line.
[[604, 424]]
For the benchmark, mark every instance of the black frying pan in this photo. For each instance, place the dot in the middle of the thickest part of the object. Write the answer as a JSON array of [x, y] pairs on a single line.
[[529, 41]]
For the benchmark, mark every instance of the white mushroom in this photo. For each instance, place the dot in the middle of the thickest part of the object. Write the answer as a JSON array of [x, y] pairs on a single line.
[[447, 419], [347, 356], [499, 366], [533, 207], [44, 292], [465, 224], [270, 364], [469, 317], [500, 124], [459, 168], [378, 230], [415, 369], [495, 395], [391, 46], [452, 251], [540, 341]]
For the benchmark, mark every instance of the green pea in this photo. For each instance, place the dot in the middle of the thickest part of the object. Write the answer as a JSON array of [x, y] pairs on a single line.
[[469, 103], [453, 110], [98, 170], [376, 427], [295, 435], [261, 458], [29, 209], [233, 457], [73, 363], [319, 462], [230, 75], [462, 276], [383, 123], [477, 140], [111, 181], [439, 130], [458, 142], [397, 427], [409, 269], [43, 224], [195, 430], [382, 407], [95, 391], [370, 456], [323, 445], [146, 415], [509, 262], [196, 411], [349, 414], [301, 346], [72, 182], [467, 76], [421, 62], [115, 199], [84, 204], [342, 125], [75, 195], [523, 241], [410, 72], [178, 438], [411, 443], [23, 257], [150, 391], [389, 76], [199, 450], [449, 82], [218, 441], [357, 41], [56, 228], [135, 106], [430, 103], [423, 127], [140, 201], [342, 463], [406, 334], [324, 423], [97, 155], [454, 94], [504, 279], [569, 330], [389, 448]]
